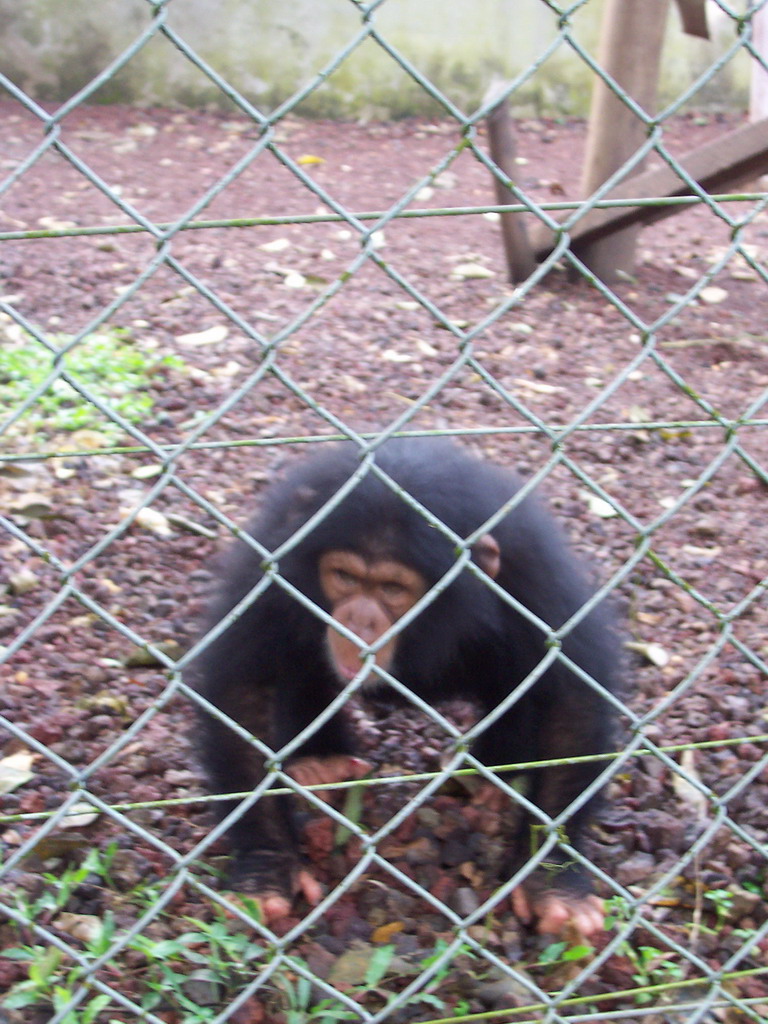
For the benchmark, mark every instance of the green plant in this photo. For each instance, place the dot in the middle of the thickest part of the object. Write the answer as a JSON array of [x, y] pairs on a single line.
[[653, 967], [722, 900], [52, 978], [111, 365], [297, 992], [210, 959], [58, 889], [300, 1010], [650, 966], [212, 955], [49, 982], [563, 952], [385, 974], [196, 971]]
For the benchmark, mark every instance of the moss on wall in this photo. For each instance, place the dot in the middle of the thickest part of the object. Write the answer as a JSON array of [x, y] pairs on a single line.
[[269, 51]]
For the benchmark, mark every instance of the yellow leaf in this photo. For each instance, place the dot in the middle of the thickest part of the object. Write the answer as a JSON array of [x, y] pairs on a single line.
[[385, 932], [309, 158]]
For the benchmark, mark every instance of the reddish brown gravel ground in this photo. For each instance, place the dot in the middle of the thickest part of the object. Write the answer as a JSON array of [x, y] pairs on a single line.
[[367, 356]]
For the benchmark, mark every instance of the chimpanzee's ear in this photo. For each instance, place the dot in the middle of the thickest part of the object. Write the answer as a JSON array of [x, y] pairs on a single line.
[[301, 504], [486, 553]]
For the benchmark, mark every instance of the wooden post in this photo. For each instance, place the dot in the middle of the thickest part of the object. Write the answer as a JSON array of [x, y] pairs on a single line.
[[630, 51], [501, 143], [758, 96], [693, 14]]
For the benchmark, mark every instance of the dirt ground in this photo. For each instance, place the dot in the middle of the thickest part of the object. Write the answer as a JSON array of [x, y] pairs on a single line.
[[648, 424]]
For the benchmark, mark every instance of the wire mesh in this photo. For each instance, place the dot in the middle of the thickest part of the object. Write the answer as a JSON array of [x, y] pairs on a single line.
[[190, 296]]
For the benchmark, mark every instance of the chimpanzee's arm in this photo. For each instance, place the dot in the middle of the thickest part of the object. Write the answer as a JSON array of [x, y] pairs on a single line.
[[265, 844]]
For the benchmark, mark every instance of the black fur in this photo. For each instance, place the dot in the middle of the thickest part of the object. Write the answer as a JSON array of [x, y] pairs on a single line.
[[270, 672]]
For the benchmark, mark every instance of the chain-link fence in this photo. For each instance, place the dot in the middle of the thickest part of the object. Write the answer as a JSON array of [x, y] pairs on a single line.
[[190, 299]]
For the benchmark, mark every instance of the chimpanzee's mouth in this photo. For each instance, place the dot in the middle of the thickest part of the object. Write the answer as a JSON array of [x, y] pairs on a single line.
[[371, 680]]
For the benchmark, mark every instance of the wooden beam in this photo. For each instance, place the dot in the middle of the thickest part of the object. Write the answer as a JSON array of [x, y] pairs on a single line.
[[717, 166], [501, 143], [631, 38]]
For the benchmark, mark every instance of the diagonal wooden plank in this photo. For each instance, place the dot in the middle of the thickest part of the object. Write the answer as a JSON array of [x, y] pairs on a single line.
[[717, 166]]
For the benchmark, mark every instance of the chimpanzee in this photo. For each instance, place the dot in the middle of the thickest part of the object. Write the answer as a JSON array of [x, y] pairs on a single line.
[[367, 561]]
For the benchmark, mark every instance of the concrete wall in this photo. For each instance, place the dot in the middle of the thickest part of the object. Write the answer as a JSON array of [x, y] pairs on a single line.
[[269, 49]]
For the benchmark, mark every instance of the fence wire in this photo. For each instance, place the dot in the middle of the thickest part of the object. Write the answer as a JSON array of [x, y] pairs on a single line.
[[189, 296]]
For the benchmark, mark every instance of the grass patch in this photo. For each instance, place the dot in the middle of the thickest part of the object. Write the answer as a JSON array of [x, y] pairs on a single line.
[[45, 392]]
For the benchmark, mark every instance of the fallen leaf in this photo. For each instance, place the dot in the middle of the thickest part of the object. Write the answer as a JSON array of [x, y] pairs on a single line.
[[396, 357], [710, 554], [649, 618], [294, 280], [520, 327], [686, 790], [652, 652], [55, 224], [209, 337], [688, 272], [87, 438], [471, 271], [385, 932], [638, 414], [58, 845], [230, 369], [537, 386], [599, 507], [472, 873], [154, 521], [79, 815], [147, 472], [22, 582], [744, 274], [15, 770], [191, 526], [352, 966], [85, 927], [35, 506], [713, 295], [445, 180], [140, 657], [276, 245]]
